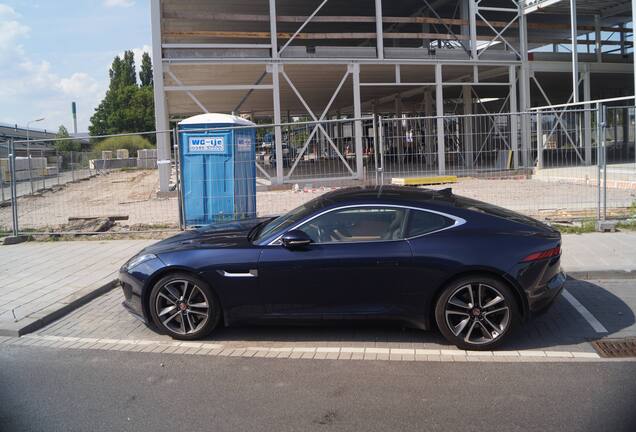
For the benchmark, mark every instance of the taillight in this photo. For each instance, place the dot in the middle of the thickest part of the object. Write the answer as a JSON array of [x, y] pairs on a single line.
[[549, 253]]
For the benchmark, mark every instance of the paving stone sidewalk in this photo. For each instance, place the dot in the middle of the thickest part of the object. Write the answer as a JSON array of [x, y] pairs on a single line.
[[598, 253], [40, 281]]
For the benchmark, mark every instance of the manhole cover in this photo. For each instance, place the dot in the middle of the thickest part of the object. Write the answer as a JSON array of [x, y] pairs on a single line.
[[616, 347]]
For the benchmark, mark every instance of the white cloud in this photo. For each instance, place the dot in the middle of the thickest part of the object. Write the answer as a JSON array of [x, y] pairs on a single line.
[[119, 3], [30, 87], [79, 84]]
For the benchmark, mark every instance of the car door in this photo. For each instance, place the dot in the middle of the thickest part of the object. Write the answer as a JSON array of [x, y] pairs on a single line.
[[352, 266]]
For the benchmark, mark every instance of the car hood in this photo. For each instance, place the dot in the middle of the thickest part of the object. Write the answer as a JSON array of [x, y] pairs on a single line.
[[222, 235]]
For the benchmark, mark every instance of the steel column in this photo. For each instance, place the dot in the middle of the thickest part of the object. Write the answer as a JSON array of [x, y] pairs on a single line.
[[278, 134], [439, 107], [539, 140], [162, 121], [574, 46], [379, 32], [273, 32], [514, 136], [587, 116], [357, 113], [467, 94]]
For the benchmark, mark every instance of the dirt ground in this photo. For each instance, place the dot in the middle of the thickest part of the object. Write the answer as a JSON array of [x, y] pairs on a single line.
[[133, 194]]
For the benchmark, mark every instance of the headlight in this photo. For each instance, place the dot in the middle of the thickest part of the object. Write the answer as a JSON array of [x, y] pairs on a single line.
[[139, 260]]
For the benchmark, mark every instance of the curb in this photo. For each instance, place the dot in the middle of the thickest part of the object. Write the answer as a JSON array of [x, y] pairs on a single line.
[[601, 274], [29, 326]]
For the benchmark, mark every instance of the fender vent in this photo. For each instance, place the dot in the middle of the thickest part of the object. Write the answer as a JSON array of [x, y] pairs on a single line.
[[614, 348]]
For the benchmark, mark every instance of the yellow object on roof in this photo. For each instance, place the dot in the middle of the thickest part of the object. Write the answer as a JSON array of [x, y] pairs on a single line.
[[421, 181]]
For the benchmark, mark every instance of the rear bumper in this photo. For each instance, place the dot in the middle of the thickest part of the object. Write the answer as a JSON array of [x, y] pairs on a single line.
[[544, 295]]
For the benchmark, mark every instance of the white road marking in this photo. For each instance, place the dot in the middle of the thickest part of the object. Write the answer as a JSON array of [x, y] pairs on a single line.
[[591, 320]]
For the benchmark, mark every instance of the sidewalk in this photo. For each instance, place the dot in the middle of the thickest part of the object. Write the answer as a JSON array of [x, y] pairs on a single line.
[[600, 255], [40, 282]]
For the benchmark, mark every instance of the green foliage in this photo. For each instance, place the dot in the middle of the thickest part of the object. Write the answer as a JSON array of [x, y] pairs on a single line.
[[126, 107], [585, 226], [145, 75], [68, 144], [131, 143]]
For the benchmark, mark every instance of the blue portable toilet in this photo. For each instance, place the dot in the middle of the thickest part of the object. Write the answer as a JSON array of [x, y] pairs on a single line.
[[218, 168]]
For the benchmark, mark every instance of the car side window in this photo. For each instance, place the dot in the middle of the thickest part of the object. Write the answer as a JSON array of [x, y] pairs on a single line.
[[422, 222], [357, 224]]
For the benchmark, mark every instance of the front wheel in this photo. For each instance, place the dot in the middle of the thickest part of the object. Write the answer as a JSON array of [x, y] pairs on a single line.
[[184, 307], [476, 313]]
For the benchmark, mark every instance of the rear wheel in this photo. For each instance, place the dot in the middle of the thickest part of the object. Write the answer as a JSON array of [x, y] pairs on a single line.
[[184, 306], [476, 312]]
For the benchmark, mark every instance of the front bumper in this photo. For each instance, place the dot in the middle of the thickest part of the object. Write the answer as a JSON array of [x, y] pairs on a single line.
[[132, 296], [134, 282]]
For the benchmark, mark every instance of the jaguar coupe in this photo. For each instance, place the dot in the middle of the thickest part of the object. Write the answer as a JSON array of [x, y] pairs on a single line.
[[424, 258]]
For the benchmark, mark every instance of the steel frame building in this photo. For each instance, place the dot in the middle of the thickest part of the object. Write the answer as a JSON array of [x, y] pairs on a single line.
[[325, 59]]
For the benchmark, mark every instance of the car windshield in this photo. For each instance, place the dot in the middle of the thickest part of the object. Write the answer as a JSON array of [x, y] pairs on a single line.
[[285, 221]]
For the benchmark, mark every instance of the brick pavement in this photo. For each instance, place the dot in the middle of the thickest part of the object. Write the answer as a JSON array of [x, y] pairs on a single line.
[[40, 279]]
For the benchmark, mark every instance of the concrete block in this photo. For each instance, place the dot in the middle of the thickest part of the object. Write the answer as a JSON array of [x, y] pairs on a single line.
[[147, 154], [146, 163], [107, 155], [122, 154], [52, 170], [98, 164]]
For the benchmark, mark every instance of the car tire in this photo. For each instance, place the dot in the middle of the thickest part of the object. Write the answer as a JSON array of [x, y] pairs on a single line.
[[480, 324], [184, 307]]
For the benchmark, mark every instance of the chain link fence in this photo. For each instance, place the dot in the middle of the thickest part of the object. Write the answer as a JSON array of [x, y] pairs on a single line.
[[556, 163]]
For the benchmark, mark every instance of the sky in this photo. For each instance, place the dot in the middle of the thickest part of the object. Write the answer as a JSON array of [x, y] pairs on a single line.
[[55, 52]]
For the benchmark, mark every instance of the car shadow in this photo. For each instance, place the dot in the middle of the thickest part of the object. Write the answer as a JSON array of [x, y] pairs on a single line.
[[561, 327]]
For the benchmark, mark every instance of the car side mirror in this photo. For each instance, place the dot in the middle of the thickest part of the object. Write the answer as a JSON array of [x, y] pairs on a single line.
[[295, 239]]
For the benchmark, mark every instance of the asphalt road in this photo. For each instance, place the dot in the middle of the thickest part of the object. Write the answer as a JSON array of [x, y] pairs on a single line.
[[45, 389]]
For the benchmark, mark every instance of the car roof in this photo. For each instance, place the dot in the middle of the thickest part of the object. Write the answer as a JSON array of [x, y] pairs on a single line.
[[400, 194]]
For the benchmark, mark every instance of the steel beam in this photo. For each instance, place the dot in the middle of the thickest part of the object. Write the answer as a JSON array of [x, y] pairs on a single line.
[[302, 26], [162, 123], [190, 94]]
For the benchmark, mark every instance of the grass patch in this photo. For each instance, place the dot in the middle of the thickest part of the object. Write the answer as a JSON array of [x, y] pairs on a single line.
[[628, 225], [586, 226]]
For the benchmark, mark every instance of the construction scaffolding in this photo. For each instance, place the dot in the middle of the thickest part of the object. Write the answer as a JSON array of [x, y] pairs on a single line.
[[281, 61]]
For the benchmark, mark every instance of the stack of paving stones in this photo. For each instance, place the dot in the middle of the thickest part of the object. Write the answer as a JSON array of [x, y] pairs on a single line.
[[147, 159], [37, 167]]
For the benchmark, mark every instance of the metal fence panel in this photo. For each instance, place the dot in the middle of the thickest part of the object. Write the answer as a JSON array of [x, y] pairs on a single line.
[[62, 191]]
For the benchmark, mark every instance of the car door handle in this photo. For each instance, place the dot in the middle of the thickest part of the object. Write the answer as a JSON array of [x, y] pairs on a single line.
[[248, 274]]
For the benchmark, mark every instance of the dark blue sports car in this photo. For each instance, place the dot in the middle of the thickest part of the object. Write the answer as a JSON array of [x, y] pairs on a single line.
[[421, 257]]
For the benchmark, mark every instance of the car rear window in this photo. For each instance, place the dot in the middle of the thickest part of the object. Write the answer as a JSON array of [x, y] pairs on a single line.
[[422, 222], [493, 210]]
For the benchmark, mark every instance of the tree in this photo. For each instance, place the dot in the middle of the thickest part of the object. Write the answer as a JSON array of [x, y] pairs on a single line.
[[127, 107], [67, 144], [145, 75], [129, 75]]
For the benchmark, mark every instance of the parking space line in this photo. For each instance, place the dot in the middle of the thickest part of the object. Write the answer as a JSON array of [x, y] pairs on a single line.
[[591, 320]]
